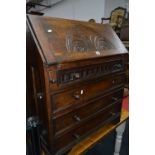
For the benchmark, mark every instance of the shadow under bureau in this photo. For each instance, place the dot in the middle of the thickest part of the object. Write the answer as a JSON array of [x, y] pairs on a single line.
[[75, 79]]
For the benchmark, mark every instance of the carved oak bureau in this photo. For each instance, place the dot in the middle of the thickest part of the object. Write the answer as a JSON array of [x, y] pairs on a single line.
[[75, 78]]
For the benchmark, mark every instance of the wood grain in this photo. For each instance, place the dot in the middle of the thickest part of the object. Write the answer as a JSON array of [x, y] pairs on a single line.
[[89, 142], [76, 66], [56, 46]]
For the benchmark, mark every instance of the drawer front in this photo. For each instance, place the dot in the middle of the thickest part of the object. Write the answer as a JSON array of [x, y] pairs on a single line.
[[98, 88], [65, 99], [77, 116], [85, 128], [88, 72]]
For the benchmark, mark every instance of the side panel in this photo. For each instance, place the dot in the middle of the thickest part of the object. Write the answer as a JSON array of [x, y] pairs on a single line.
[[37, 89]]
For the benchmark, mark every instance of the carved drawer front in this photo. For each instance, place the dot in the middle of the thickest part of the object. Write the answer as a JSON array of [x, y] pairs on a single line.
[[98, 88], [65, 122], [87, 72], [87, 127], [65, 99]]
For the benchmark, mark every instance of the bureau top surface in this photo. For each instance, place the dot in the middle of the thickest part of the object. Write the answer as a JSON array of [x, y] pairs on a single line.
[[60, 40]]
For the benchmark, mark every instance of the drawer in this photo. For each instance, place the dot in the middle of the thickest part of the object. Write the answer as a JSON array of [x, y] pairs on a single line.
[[107, 116], [65, 99], [98, 88], [66, 121], [89, 71]]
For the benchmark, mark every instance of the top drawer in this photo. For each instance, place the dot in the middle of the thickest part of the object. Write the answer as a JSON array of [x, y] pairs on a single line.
[[82, 73]]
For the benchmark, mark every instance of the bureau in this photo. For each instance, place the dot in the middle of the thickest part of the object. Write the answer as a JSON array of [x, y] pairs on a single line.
[[75, 79]]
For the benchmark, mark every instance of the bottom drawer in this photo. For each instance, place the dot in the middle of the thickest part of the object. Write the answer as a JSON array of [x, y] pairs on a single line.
[[79, 115], [85, 128]]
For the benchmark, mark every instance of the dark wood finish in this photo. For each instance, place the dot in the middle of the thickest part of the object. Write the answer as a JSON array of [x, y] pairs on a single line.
[[64, 99], [61, 40], [111, 113], [75, 78], [80, 113]]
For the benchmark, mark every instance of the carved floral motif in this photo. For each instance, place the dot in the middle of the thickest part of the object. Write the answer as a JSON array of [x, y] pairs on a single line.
[[76, 40]]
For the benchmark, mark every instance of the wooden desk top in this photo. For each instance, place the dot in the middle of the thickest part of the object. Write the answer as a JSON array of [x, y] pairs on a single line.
[[62, 40], [89, 142]]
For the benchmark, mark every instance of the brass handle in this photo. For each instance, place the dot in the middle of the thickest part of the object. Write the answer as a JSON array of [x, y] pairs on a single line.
[[77, 118], [114, 98], [117, 66], [113, 81], [53, 80], [40, 96], [77, 75], [76, 96], [112, 113], [76, 136]]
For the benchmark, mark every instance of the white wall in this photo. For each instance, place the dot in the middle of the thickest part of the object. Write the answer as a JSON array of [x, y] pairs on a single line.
[[63, 9], [83, 9], [78, 9]]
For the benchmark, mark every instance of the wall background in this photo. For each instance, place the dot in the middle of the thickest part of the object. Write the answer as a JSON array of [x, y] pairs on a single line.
[[84, 9], [78, 9]]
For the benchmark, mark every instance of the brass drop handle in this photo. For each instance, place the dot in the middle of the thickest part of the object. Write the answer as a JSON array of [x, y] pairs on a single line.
[[53, 80], [112, 113], [117, 66], [77, 118], [76, 96], [76, 136], [77, 75], [113, 81], [114, 98]]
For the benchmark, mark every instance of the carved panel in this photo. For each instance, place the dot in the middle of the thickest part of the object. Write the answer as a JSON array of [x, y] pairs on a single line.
[[101, 43], [66, 76], [77, 40]]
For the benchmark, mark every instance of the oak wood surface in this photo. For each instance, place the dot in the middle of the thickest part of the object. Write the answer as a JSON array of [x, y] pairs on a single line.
[[72, 66], [67, 37], [80, 114], [83, 146]]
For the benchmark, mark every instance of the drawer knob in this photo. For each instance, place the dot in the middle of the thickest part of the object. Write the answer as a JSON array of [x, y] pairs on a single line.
[[77, 118], [112, 113], [117, 66], [114, 98], [76, 96], [76, 136], [53, 80], [40, 96], [77, 75], [113, 81]]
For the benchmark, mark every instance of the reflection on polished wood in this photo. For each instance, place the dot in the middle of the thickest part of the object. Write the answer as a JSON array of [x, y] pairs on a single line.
[[89, 142]]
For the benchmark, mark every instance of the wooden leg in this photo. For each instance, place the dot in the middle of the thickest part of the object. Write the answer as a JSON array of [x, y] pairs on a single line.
[[119, 135]]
